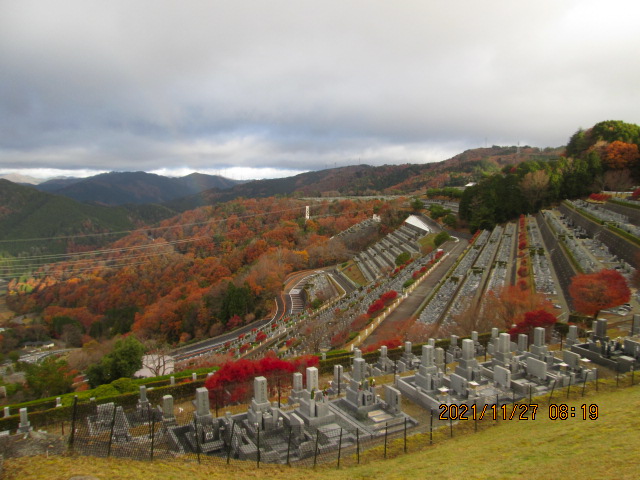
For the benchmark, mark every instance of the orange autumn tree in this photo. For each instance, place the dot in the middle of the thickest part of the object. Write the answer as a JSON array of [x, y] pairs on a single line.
[[592, 292], [621, 155]]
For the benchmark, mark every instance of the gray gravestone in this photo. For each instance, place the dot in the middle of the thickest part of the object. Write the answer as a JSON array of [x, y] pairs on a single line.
[[537, 368], [427, 355], [570, 358], [468, 349], [312, 379], [393, 399], [167, 406], [260, 390], [359, 369], [24, 425], [523, 342], [297, 381], [202, 401], [502, 377]]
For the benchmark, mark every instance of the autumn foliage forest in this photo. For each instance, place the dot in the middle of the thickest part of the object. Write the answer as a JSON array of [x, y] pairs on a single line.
[[208, 270]]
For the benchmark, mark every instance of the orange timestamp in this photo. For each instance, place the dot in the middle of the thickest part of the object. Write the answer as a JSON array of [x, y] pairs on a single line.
[[516, 411]]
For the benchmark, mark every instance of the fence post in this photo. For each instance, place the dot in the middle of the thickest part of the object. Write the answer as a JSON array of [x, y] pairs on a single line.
[[113, 424], [358, 444], [569, 386], [584, 385], [315, 455], [289, 444], [552, 389], [73, 422], [195, 424], [431, 428], [596, 379], [149, 419], [405, 434], [339, 447], [258, 456], [153, 434], [386, 432], [529, 394], [278, 392], [450, 424], [233, 426]]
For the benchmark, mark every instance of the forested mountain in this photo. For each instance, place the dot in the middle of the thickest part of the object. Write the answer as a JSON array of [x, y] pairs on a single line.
[[198, 274], [118, 188], [602, 157], [471, 165], [64, 224]]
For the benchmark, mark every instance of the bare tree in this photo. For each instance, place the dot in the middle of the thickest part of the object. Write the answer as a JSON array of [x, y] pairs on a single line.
[[534, 187], [618, 180], [157, 359]]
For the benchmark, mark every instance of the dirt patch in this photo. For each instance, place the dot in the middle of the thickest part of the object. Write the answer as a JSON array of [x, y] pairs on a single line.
[[32, 443]]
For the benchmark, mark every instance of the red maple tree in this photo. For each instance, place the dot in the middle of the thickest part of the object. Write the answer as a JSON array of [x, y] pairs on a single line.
[[536, 318], [593, 292]]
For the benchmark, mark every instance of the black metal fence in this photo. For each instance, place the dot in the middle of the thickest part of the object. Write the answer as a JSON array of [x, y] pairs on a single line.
[[148, 430]]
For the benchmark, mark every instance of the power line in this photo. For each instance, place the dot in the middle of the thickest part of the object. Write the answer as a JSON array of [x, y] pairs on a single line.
[[21, 269]]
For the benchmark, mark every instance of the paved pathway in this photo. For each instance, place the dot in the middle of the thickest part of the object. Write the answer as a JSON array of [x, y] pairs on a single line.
[[389, 327]]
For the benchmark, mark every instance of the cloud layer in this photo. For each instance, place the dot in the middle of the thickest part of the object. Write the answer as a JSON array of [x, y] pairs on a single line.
[[285, 86]]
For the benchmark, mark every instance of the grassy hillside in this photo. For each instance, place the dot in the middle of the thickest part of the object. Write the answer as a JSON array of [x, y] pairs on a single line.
[[538, 449]]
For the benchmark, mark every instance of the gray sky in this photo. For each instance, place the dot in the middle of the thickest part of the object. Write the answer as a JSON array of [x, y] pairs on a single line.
[[254, 89]]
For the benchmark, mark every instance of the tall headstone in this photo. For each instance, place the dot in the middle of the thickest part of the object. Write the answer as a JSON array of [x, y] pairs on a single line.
[[504, 343], [172, 380], [260, 394], [359, 369], [7, 411], [194, 376], [523, 343], [539, 349], [312, 379], [357, 353], [468, 349], [572, 336], [167, 407], [440, 358], [25, 425], [296, 389], [383, 351], [202, 401], [143, 394], [428, 355]]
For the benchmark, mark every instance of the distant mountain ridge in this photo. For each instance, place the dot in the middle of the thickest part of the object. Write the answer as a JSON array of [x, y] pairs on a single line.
[[470, 165], [119, 188], [17, 178]]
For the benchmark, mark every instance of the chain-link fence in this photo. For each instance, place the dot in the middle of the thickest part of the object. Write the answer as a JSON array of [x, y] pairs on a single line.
[[233, 428]]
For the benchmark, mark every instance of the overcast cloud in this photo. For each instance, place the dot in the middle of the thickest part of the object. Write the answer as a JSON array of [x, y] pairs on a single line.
[[271, 88]]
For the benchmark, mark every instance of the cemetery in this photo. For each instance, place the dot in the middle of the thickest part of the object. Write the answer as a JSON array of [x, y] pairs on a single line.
[[620, 355]]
